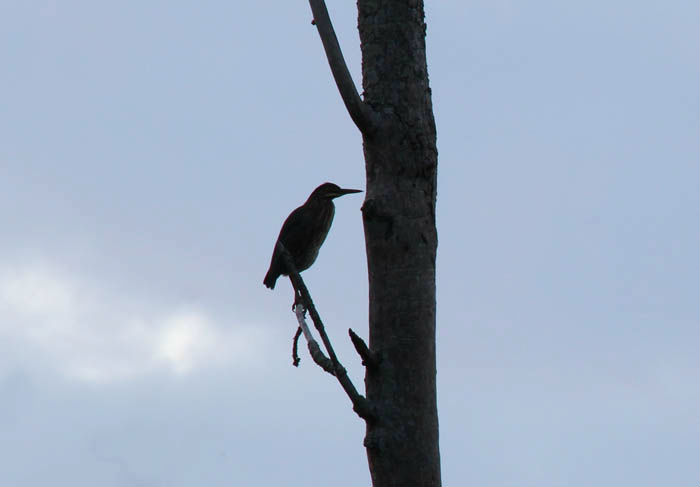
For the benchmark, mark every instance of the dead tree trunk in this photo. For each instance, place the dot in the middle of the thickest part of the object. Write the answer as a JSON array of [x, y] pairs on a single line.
[[401, 241], [398, 128]]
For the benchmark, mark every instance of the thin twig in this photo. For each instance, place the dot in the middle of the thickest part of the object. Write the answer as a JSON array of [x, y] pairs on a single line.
[[359, 111], [314, 350], [359, 403], [295, 352]]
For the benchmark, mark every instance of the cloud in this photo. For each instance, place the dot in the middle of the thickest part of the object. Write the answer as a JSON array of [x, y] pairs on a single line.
[[63, 322]]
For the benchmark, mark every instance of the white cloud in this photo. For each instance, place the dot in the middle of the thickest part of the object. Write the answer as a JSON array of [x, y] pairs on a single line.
[[35, 292], [78, 330]]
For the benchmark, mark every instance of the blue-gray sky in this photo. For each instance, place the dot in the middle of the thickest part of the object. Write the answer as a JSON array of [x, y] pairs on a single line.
[[150, 151]]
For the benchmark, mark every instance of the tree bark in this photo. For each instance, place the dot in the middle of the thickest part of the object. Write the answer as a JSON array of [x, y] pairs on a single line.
[[401, 241], [399, 141]]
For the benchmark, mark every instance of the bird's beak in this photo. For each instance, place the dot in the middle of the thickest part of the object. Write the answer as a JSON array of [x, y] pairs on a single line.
[[343, 191]]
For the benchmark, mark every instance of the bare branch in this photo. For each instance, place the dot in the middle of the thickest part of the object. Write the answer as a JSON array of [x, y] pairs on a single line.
[[314, 350], [359, 111], [369, 359], [359, 403], [295, 353]]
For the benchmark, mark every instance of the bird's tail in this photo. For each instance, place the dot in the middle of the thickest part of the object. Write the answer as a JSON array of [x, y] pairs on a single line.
[[271, 278]]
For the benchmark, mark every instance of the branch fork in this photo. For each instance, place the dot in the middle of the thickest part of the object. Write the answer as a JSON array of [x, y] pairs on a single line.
[[361, 113], [330, 364]]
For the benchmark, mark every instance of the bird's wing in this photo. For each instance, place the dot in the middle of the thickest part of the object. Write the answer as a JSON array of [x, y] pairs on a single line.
[[295, 230]]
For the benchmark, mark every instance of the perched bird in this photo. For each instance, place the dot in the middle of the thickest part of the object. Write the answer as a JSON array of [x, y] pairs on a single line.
[[304, 231]]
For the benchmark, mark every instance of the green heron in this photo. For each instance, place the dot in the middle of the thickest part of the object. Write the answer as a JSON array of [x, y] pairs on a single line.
[[304, 231]]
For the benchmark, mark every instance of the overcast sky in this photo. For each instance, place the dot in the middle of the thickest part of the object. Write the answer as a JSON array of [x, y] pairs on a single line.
[[149, 152]]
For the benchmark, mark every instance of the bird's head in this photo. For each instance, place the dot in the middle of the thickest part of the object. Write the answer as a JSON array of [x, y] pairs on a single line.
[[328, 191]]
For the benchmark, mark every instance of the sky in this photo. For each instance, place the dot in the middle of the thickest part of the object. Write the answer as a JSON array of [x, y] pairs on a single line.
[[150, 151]]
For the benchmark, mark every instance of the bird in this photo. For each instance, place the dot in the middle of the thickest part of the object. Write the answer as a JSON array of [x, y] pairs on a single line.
[[305, 230]]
